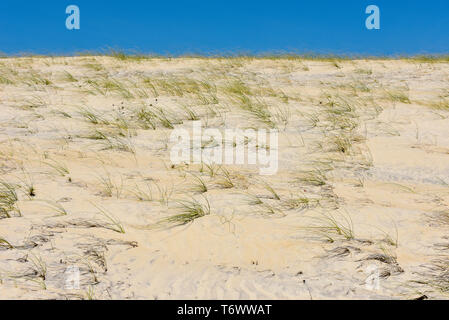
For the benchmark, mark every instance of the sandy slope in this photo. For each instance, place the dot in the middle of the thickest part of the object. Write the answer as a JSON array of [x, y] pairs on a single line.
[[362, 186]]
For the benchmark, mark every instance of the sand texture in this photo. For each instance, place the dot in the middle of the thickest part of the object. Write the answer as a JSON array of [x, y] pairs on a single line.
[[86, 179]]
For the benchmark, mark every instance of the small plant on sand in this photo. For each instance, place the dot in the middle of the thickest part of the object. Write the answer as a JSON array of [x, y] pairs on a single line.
[[241, 95], [119, 87], [116, 142], [28, 184], [57, 207], [398, 96], [92, 116], [5, 244], [33, 78], [329, 226], [115, 224], [283, 115], [8, 199], [314, 177], [200, 185], [438, 274], [270, 189], [59, 167], [89, 265], [190, 113], [165, 193], [68, 77], [443, 104], [391, 239], [143, 194], [340, 143], [38, 265], [167, 120], [146, 118], [121, 123], [336, 64], [301, 202], [226, 180], [253, 200], [110, 187], [192, 210], [96, 135], [364, 71], [211, 169], [271, 210], [94, 66], [5, 80], [90, 293], [34, 102]]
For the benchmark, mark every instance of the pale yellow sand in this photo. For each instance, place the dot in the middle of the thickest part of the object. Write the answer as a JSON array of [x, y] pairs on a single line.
[[363, 180]]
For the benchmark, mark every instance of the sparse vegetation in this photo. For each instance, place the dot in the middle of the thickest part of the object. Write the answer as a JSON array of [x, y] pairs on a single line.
[[95, 130]]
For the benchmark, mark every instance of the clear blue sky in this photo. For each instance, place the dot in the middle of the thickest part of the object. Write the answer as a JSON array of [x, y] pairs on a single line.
[[225, 26]]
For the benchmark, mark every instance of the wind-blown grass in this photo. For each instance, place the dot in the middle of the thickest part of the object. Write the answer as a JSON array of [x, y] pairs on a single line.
[[59, 167], [8, 199], [115, 224], [57, 207], [110, 187], [192, 210], [200, 185], [330, 226], [226, 180], [398, 96]]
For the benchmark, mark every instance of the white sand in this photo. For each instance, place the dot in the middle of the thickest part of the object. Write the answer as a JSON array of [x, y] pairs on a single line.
[[387, 188]]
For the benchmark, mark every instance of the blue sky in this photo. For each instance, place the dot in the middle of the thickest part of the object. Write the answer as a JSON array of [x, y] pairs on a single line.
[[225, 26]]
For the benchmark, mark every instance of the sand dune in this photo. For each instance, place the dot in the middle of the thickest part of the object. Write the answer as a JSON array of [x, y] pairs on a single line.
[[358, 209]]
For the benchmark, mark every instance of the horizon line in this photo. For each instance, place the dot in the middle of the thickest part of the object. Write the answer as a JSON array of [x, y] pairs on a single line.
[[275, 54]]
